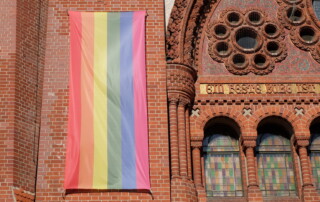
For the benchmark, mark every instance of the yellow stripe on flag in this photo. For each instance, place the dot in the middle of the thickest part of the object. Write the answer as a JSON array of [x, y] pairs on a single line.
[[100, 176]]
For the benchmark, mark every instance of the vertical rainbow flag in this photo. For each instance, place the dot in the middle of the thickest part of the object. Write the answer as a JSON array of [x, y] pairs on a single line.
[[107, 133]]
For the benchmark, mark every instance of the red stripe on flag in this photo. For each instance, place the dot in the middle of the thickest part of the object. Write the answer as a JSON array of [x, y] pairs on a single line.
[[74, 129]]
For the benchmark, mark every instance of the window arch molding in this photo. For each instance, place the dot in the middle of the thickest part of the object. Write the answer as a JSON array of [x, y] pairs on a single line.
[[221, 121], [208, 116], [263, 113], [278, 120]]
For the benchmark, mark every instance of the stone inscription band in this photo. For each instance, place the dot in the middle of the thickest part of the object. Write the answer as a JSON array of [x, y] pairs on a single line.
[[280, 88]]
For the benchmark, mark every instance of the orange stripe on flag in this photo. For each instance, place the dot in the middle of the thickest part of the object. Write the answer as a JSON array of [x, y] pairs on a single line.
[[87, 131]]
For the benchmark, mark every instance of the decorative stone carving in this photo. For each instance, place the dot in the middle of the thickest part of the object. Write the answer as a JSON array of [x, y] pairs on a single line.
[[196, 143], [301, 141], [196, 21], [195, 112], [180, 82], [184, 101], [246, 42], [247, 112], [248, 141], [184, 30], [299, 111], [298, 16], [173, 99], [175, 28]]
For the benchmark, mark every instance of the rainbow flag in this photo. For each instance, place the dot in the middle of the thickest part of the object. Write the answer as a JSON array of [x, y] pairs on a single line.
[[107, 133]]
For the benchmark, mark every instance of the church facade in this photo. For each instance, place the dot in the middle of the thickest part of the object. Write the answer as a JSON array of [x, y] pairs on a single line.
[[233, 100]]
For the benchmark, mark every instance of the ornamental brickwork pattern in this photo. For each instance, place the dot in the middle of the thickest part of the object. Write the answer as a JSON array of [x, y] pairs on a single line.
[[298, 16], [248, 94], [263, 46]]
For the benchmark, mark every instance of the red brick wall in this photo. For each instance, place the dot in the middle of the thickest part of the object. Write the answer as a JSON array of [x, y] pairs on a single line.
[[21, 61], [55, 102], [28, 73], [7, 65]]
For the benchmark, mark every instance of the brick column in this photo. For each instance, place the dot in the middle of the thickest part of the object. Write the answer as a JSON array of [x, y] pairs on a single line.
[[197, 168], [254, 193], [174, 137], [203, 172], [301, 144], [251, 167], [182, 138], [180, 84], [309, 192], [188, 142], [305, 166]]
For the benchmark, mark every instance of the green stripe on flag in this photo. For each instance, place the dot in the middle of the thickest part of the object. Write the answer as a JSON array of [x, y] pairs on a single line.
[[114, 111]]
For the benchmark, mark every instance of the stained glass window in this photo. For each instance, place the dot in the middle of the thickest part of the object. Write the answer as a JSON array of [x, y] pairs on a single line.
[[315, 159], [275, 166], [222, 166]]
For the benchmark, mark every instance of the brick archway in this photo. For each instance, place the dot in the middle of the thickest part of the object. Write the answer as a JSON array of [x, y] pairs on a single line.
[[207, 115], [269, 111], [310, 115], [247, 100]]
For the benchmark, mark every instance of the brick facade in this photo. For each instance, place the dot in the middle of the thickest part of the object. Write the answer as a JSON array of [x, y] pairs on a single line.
[[7, 107], [194, 34], [188, 84]]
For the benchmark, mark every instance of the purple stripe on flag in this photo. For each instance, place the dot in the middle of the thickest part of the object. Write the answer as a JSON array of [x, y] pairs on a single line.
[[126, 103]]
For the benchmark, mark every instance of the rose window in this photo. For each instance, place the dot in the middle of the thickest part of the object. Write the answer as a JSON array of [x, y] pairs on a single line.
[[246, 42], [301, 17]]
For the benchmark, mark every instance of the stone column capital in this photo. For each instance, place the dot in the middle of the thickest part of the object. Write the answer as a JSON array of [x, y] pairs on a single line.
[[183, 101], [248, 142], [173, 100], [196, 144], [173, 96], [301, 141]]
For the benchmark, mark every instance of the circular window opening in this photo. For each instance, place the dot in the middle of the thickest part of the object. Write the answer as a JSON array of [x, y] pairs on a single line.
[[307, 34], [294, 14], [260, 60], [233, 18], [220, 30], [255, 17], [270, 29], [273, 47], [222, 48], [239, 60], [246, 38]]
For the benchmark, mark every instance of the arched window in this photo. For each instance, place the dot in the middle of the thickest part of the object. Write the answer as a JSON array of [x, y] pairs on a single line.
[[275, 164], [315, 152], [222, 163]]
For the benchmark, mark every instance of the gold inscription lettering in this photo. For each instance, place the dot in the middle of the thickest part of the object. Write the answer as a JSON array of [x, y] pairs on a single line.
[[259, 88]]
